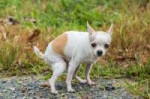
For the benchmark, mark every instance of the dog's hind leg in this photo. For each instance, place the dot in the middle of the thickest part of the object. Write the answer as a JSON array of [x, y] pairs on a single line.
[[71, 70], [58, 69], [78, 78]]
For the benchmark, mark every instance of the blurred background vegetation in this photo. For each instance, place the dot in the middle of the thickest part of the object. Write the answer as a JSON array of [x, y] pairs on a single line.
[[25, 23]]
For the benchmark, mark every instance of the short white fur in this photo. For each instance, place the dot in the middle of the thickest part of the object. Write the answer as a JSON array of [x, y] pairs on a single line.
[[78, 49]]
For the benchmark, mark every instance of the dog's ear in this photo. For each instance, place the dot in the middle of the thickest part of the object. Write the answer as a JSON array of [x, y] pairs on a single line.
[[90, 29], [110, 31]]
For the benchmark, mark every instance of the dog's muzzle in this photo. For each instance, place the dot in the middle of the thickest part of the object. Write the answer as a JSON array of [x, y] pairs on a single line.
[[99, 53]]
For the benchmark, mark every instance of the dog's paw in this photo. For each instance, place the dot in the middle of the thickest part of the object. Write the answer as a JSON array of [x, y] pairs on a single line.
[[54, 92], [92, 83], [71, 90], [83, 81]]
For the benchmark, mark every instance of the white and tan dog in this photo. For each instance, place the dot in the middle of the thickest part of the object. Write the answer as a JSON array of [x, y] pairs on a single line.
[[73, 48]]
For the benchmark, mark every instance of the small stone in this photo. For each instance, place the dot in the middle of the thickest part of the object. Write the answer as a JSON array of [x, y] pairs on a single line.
[[13, 97], [4, 81], [109, 84], [23, 90], [109, 88], [86, 97], [12, 88], [5, 90], [80, 87]]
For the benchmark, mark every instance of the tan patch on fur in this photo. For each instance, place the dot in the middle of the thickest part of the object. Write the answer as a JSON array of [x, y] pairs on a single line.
[[59, 44]]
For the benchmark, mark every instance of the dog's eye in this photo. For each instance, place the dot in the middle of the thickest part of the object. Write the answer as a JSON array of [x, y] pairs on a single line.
[[93, 45], [106, 46]]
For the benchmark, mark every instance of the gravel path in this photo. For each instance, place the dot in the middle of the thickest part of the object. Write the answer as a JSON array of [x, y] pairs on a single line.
[[33, 88]]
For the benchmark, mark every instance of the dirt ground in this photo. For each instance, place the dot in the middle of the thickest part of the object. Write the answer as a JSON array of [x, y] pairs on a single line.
[[33, 88]]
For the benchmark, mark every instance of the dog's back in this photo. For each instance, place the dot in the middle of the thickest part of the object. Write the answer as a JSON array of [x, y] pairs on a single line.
[[70, 44]]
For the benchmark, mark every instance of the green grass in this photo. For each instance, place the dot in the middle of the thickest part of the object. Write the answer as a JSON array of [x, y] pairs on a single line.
[[139, 87], [128, 56]]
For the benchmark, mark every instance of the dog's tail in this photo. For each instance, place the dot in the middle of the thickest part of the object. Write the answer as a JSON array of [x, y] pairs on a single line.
[[38, 53]]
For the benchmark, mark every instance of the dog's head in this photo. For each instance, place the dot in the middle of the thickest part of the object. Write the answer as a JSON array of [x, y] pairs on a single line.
[[99, 40]]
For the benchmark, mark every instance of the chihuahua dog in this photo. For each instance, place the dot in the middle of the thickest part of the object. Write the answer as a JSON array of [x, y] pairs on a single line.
[[72, 48]]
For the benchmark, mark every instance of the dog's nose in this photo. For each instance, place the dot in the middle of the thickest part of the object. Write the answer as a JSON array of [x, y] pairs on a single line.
[[99, 53]]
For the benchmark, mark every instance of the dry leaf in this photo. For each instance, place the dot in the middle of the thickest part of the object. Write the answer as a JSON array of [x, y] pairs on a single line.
[[2, 30], [16, 38], [121, 58], [45, 85], [30, 20], [86, 97], [35, 34]]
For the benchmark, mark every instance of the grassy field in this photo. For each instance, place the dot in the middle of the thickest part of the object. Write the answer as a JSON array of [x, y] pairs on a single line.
[[25, 23]]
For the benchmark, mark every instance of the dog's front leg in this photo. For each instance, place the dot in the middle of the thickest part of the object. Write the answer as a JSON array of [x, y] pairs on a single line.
[[87, 74], [71, 69]]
